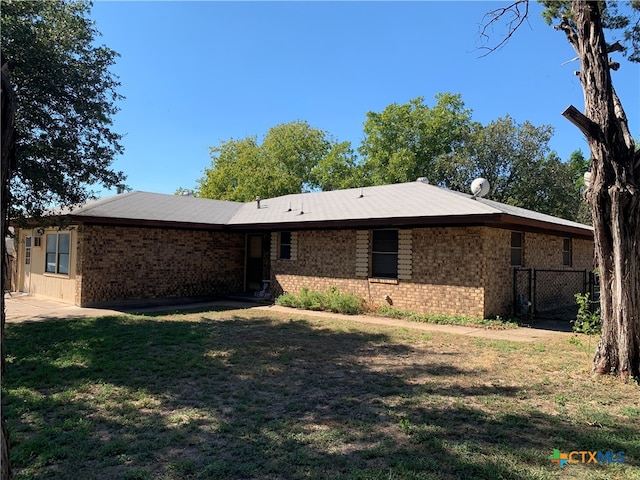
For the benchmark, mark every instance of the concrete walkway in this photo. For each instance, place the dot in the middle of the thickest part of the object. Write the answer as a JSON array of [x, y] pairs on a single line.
[[23, 307]]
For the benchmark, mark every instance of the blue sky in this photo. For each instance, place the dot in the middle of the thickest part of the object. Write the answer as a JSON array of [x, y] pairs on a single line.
[[195, 74]]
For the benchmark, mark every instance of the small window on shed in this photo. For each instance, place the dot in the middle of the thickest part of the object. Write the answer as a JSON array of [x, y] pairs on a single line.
[[57, 253], [285, 245], [517, 239], [567, 252], [27, 251]]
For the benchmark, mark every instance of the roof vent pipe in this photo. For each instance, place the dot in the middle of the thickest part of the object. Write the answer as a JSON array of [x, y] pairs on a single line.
[[120, 188], [258, 201]]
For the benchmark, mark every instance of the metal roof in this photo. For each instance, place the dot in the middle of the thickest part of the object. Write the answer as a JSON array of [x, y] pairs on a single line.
[[401, 200], [411, 203], [159, 207]]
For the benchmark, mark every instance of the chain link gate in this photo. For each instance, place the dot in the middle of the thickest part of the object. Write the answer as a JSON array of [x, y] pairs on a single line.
[[550, 293]]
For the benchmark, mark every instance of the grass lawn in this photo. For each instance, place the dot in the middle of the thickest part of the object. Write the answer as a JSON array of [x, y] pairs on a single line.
[[241, 395]]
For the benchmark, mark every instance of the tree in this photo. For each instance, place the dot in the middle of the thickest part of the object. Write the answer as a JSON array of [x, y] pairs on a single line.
[[613, 193], [7, 142], [66, 98], [403, 141], [339, 169], [56, 115], [579, 165], [519, 164], [292, 157]]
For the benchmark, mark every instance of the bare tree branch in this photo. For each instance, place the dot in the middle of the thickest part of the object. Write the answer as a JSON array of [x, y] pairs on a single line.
[[513, 15], [586, 125]]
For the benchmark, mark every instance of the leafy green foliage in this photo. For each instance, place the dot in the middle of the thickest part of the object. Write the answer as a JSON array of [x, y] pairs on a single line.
[[403, 141], [588, 318], [519, 164], [291, 157], [621, 19], [66, 98], [579, 165], [339, 169], [497, 323], [332, 300]]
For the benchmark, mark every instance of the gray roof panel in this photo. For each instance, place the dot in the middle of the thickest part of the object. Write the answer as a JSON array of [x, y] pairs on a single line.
[[402, 202], [138, 205]]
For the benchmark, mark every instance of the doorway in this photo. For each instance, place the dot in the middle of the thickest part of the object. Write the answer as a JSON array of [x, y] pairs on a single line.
[[255, 269]]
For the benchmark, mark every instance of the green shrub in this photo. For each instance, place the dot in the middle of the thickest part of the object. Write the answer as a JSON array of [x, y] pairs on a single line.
[[331, 300], [587, 319], [497, 323], [287, 300]]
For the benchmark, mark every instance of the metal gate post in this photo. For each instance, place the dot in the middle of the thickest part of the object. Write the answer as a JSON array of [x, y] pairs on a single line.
[[515, 292], [534, 291]]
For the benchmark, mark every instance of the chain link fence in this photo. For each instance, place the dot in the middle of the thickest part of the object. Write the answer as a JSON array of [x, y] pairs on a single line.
[[551, 293]]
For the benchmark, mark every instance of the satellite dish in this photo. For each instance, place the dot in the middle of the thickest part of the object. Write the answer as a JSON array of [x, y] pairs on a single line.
[[480, 187]]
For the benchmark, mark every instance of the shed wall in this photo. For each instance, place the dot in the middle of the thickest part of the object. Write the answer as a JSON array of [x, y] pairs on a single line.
[[32, 278]]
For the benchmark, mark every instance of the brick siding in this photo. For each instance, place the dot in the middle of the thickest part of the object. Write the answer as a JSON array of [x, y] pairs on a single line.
[[116, 263], [454, 271]]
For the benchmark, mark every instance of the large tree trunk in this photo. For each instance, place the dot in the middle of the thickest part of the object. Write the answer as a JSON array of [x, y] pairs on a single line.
[[8, 159], [613, 195]]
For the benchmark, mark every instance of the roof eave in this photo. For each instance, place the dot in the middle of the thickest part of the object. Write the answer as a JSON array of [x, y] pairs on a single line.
[[513, 222], [495, 220], [132, 222]]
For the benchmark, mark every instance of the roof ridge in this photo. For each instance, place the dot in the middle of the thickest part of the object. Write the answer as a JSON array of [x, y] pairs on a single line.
[[104, 201]]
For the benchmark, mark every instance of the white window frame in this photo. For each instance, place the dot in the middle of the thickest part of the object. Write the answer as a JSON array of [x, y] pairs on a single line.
[[28, 243], [58, 256]]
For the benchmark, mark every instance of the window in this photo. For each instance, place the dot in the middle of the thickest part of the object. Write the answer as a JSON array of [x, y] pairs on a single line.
[[27, 251], [58, 247], [516, 249], [384, 254], [567, 257], [285, 245]]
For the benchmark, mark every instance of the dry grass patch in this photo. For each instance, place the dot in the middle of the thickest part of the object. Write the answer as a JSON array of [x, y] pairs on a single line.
[[244, 394]]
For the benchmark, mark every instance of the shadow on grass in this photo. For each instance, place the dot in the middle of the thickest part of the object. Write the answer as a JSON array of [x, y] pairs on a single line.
[[119, 397]]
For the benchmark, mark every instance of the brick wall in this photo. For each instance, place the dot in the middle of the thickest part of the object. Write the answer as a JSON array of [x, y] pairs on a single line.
[[498, 274], [454, 271], [545, 252], [445, 270], [118, 263], [540, 251], [554, 289]]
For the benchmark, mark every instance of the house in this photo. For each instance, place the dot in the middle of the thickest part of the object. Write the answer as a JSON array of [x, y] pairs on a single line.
[[415, 245]]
